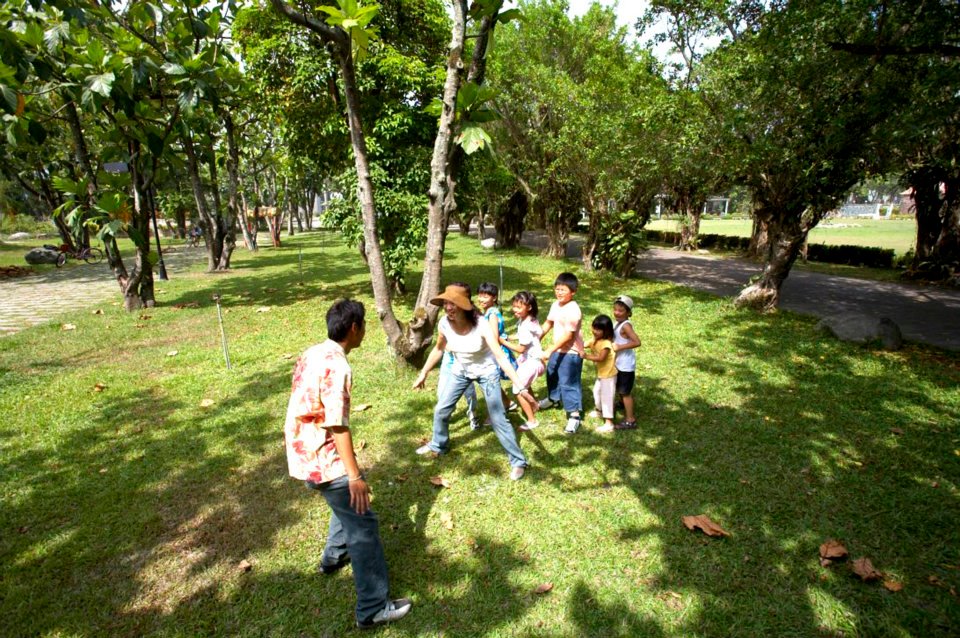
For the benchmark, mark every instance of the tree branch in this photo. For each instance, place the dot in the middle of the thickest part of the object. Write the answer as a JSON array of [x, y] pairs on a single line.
[[946, 50]]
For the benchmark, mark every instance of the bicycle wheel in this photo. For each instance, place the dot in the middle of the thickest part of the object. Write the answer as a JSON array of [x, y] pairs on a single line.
[[61, 259], [93, 256]]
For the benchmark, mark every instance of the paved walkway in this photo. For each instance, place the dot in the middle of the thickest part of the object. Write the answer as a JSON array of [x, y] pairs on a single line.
[[35, 299], [926, 314]]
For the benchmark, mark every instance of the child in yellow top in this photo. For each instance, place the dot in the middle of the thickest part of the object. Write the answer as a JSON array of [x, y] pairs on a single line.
[[602, 355]]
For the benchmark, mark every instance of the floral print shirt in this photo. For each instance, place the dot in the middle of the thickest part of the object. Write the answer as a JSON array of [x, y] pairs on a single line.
[[320, 398]]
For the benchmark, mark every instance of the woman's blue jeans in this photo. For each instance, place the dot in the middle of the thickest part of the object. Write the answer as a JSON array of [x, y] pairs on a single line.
[[359, 536], [455, 386], [564, 370]]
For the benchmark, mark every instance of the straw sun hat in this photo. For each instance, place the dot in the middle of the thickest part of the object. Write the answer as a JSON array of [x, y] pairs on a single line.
[[456, 296]]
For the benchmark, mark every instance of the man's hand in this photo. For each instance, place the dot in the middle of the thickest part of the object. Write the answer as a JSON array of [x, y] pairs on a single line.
[[359, 496]]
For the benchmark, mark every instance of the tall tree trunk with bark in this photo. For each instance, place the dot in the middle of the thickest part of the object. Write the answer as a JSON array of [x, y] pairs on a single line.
[[209, 224], [233, 188]]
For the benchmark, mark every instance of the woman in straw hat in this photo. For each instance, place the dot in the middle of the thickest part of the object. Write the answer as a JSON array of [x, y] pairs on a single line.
[[476, 353]]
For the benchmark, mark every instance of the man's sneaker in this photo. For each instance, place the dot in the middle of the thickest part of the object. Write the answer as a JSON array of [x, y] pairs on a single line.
[[475, 423], [547, 403], [529, 425], [516, 473], [394, 610], [573, 424], [333, 568], [425, 449]]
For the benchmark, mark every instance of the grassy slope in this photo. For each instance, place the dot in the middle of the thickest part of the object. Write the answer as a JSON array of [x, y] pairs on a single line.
[[129, 511]]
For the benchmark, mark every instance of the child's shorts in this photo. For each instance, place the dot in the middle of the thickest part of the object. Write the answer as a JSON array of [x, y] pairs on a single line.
[[528, 371], [625, 381]]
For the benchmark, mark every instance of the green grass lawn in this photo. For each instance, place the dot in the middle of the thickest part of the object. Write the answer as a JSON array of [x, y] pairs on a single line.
[[130, 511], [898, 234]]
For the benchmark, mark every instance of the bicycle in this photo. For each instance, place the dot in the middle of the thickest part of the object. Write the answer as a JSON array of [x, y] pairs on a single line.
[[89, 255]]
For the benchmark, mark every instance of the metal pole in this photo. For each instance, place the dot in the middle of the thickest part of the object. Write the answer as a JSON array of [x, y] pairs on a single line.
[[223, 332], [300, 262], [501, 274]]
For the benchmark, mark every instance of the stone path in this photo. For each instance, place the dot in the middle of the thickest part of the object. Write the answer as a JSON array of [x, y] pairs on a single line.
[[35, 299]]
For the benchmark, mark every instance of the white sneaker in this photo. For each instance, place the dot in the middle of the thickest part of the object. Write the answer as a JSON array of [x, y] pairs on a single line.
[[607, 428], [513, 407], [573, 424], [394, 610], [529, 425], [424, 449], [475, 424], [594, 414], [547, 403], [516, 473]]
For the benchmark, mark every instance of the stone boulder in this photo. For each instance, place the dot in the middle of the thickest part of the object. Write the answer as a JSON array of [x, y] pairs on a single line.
[[42, 255], [863, 329], [19, 236]]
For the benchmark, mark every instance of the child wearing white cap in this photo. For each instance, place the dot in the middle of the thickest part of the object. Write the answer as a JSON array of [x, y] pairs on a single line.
[[625, 340]]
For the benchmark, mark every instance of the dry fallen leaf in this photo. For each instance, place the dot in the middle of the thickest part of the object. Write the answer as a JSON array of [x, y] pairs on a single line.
[[98, 312], [100, 387], [145, 317], [206, 403], [361, 407], [245, 565], [439, 481], [270, 290], [263, 309], [543, 588], [181, 306], [68, 326], [893, 585], [400, 478], [173, 353], [705, 525], [832, 551], [362, 443], [933, 580], [897, 431], [447, 520], [863, 568], [288, 356], [103, 470]]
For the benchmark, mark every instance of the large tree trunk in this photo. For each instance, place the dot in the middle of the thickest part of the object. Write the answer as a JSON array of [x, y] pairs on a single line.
[[83, 159], [595, 210], [248, 228], [557, 233], [947, 249], [509, 223], [787, 235], [209, 224], [759, 239], [926, 188], [233, 188]]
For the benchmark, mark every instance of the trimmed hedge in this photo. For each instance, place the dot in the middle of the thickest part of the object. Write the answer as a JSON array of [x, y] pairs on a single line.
[[843, 254]]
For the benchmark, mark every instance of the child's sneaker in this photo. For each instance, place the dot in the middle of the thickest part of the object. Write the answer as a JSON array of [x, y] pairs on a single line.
[[594, 414], [513, 407], [573, 424], [606, 428], [529, 425], [547, 403]]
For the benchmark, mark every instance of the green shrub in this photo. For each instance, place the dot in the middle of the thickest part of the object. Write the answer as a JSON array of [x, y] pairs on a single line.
[[13, 223], [621, 239]]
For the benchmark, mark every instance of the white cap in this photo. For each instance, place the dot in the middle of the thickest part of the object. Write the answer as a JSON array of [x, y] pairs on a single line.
[[625, 300]]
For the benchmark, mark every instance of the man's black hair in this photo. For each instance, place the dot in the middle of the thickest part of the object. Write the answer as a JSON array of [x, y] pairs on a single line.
[[343, 314], [488, 288], [569, 280]]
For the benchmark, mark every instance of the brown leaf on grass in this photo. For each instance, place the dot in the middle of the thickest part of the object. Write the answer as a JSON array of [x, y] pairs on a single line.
[[103, 470], [831, 552], [139, 325], [893, 585], [181, 306], [173, 353], [439, 481], [863, 568], [100, 387], [446, 519], [263, 309], [145, 317], [542, 588], [705, 525], [362, 443], [23, 529], [244, 565], [288, 356], [400, 478], [933, 580], [68, 326], [897, 431], [206, 403], [270, 290], [361, 407], [97, 312]]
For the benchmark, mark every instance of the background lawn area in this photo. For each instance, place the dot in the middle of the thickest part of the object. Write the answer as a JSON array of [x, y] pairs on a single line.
[[898, 234], [129, 511]]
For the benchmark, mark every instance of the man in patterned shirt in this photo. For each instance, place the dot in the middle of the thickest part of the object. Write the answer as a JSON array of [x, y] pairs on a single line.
[[320, 452]]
